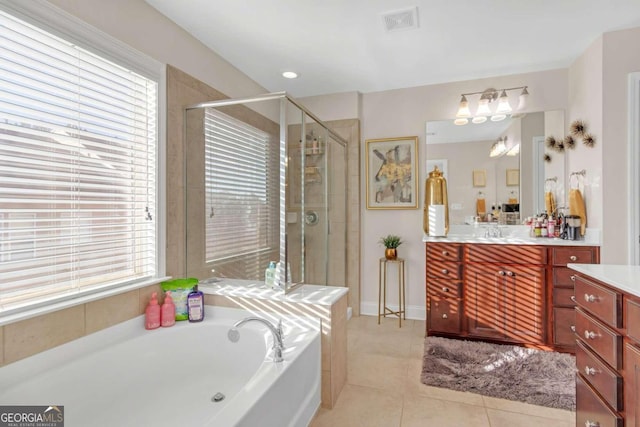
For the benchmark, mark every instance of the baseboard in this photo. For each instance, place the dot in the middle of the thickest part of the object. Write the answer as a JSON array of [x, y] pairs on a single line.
[[414, 312]]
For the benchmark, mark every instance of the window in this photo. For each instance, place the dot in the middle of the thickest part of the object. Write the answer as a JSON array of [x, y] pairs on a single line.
[[241, 184], [78, 156]]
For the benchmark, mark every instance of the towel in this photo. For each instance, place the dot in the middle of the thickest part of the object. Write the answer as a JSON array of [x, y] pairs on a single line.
[[549, 202], [481, 207], [577, 207]]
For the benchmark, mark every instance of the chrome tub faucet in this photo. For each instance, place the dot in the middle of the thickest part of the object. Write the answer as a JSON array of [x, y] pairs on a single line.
[[276, 331]]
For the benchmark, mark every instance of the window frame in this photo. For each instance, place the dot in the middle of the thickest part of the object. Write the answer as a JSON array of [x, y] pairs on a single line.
[[62, 24]]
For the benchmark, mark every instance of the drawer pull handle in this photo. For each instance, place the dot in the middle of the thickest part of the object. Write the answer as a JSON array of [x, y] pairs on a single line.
[[589, 298], [445, 271], [445, 289], [573, 298], [591, 424], [502, 273], [572, 277], [573, 258], [445, 253], [590, 335], [510, 273], [444, 316], [589, 371], [573, 328]]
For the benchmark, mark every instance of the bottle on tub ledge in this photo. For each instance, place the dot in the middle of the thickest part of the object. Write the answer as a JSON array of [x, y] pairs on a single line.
[[195, 305], [168, 311], [152, 313]]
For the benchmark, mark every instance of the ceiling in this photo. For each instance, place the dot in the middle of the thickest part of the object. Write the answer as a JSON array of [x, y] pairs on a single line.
[[343, 45]]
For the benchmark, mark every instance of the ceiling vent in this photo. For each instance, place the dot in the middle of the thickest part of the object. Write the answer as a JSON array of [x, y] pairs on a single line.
[[404, 19]]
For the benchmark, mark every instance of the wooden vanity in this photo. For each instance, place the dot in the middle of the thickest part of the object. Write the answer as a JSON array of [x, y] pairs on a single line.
[[516, 293], [608, 345]]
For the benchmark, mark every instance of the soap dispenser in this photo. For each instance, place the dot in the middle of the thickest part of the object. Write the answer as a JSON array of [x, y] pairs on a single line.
[[152, 313], [168, 312]]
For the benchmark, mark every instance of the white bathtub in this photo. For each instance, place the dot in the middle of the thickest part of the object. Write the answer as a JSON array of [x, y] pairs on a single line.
[[127, 376]]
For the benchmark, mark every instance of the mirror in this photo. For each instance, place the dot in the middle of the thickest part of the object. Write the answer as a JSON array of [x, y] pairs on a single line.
[[516, 175]]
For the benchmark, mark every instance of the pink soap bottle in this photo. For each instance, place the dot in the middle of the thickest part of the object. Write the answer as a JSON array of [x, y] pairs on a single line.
[[152, 313], [168, 313]]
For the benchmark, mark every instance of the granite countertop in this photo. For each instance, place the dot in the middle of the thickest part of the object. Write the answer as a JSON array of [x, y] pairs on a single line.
[[624, 277], [304, 294], [512, 235]]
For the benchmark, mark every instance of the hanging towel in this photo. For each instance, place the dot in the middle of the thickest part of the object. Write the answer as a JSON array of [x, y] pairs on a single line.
[[549, 202], [481, 207], [577, 207]]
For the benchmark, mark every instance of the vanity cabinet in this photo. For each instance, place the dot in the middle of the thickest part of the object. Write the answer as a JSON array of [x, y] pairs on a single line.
[[562, 319], [444, 287], [507, 293], [504, 292], [602, 385]]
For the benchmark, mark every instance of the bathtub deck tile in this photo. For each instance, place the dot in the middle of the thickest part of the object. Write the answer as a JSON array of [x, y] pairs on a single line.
[[110, 311], [28, 337]]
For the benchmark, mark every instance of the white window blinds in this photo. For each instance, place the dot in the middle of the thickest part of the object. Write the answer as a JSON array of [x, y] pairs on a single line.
[[241, 181], [78, 138]]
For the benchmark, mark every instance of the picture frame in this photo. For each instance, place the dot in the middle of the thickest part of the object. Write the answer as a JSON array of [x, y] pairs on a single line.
[[513, 177], [391, 173], [442, 165], [479, 178]]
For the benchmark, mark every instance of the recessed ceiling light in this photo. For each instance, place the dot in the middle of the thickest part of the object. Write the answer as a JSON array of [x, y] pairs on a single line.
[[290, 75]]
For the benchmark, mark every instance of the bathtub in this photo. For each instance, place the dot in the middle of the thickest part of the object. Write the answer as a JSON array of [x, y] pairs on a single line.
[[128, 376]]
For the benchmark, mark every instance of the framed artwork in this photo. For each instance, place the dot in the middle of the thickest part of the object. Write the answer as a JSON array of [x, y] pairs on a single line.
[[513, 177], [441, 164], [391, 173], [479, 178]]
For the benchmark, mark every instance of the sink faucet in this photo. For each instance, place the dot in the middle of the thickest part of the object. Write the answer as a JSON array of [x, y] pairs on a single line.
[[493, 231], [278, 335]]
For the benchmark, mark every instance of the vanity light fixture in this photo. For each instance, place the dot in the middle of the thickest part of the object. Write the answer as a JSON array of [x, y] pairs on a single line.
[[483, 110], [498, 148]]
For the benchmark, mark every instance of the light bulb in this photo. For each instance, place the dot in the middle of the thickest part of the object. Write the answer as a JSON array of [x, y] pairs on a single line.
[[479, 119], [503, 104], [483, 107], [460, 122], [522, 99], [463, 110]]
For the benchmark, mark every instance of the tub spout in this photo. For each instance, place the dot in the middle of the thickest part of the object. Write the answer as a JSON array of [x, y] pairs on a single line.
[[278, 336]]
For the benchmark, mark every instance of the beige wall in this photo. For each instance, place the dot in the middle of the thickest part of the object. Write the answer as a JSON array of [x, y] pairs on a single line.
[[620, 57]]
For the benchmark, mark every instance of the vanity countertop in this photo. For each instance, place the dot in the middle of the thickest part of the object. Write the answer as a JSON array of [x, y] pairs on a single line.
[[624, 277], [512, 235], [304, 294], [509, 240]]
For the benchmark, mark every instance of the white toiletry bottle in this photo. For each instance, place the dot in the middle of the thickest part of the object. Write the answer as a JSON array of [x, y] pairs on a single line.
[[270, 276]]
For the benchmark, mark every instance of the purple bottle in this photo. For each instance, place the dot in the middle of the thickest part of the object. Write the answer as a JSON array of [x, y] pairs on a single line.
[[195, 305]]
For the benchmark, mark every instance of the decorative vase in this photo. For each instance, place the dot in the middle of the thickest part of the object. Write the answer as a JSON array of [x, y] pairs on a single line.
[[391, 253]]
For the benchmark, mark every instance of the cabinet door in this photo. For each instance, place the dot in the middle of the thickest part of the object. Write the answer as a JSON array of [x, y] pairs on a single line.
[[484, 296], [505, 302], [632, 385]]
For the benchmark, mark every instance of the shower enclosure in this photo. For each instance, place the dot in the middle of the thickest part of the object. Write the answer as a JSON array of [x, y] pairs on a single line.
[[265, 181]]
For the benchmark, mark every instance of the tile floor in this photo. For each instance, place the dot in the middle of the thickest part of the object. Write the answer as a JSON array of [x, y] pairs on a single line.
[[384, 389]]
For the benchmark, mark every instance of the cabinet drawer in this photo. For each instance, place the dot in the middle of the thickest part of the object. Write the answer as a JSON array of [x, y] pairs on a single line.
[[444, 251], [563, 276], [506, 254], [591, 410], [604, 303], [562, 296], [564, 325], [602, 378], [444, 288], [444, 269], [605, 342], [633, 320], [579, 255], [443, 315]]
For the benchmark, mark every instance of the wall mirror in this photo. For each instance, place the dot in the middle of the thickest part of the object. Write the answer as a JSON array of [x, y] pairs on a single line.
[[498, 162]]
